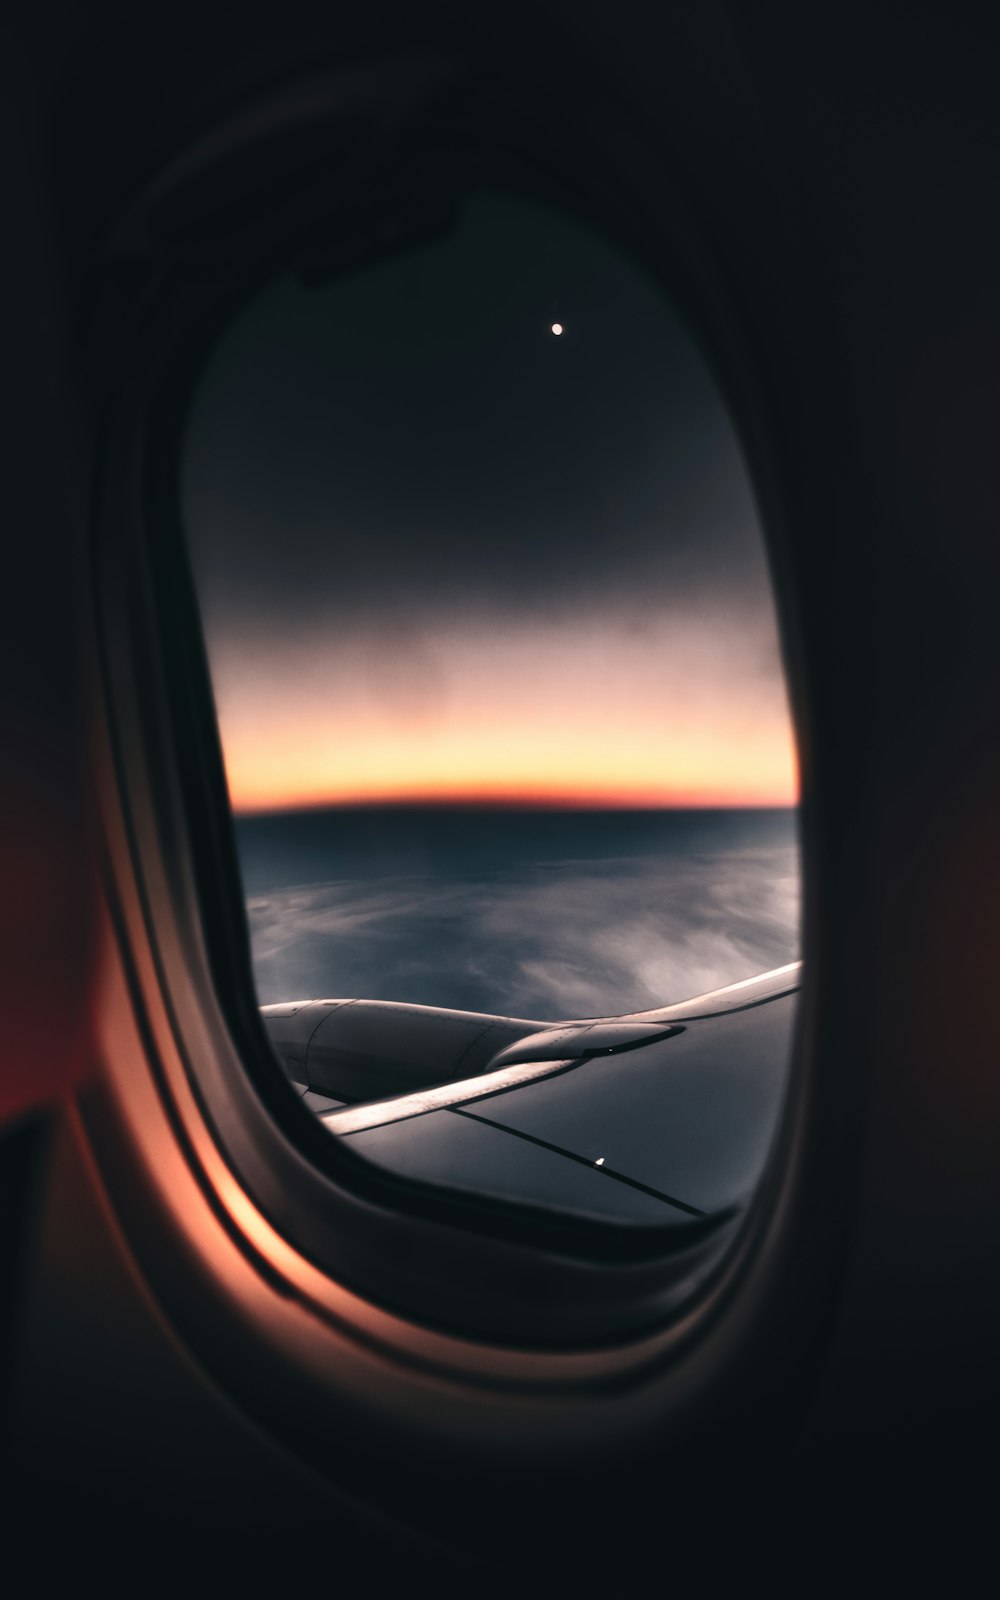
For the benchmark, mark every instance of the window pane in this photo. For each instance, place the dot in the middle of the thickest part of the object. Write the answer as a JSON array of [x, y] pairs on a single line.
[[504, 719]]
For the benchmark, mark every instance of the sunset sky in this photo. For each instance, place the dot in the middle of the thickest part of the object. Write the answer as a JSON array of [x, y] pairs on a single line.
[[444, 554]]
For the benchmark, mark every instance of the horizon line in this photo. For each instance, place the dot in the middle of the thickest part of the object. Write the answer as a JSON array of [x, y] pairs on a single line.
[[507, 803]]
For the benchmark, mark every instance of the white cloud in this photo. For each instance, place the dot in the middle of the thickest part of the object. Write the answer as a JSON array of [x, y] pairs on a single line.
[[554, 939]]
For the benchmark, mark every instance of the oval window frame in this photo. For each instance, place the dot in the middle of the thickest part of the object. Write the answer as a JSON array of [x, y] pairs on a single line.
[[159, 702]]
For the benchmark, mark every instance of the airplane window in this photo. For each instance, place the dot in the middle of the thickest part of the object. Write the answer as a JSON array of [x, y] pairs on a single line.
[[504, 720]]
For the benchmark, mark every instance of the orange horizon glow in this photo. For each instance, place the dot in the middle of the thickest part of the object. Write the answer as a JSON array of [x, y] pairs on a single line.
[[258, 783], [594, 715]]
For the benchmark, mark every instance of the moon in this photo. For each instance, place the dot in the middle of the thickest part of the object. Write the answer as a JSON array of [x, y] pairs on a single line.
[[557, 327]]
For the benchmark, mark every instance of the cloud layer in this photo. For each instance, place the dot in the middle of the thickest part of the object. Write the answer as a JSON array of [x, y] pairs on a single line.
[[556, 938]]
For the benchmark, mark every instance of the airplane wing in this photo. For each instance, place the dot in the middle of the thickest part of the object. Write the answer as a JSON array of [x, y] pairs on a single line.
[[658, 1117]]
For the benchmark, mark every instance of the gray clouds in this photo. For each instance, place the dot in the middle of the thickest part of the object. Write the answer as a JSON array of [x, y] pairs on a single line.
[[553, 939]]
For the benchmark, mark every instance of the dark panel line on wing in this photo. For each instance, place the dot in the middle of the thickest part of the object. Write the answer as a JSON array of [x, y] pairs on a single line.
[[571, 1155]]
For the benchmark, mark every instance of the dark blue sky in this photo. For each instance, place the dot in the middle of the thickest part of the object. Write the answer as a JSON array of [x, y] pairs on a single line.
[[442, 552]]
